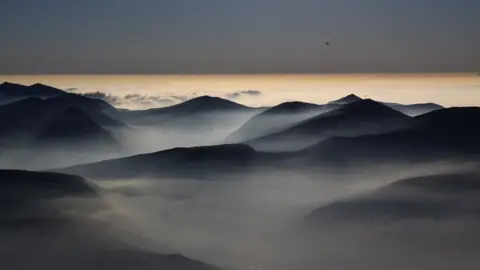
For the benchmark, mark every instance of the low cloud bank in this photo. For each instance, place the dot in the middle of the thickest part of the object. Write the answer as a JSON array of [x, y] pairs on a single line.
[[142, 101], [239, 94]]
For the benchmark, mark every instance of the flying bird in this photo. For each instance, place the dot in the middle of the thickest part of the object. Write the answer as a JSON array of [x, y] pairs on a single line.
[[327, 43]]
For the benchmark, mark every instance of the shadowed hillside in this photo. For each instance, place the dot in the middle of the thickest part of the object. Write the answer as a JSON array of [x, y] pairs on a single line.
[[275, 119], [353, 119], [196, 162], [443, 134]]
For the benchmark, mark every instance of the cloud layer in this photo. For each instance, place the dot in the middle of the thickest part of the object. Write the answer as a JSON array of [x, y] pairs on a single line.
[[134, 100], [239, 94]]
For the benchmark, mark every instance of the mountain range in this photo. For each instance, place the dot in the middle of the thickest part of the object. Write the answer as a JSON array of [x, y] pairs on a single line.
[[275, 119], [447, 134], [443, 134], [352, 119], [212, 145]]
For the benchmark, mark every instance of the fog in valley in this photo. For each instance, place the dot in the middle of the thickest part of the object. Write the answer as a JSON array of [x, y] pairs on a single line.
[[213, 184]]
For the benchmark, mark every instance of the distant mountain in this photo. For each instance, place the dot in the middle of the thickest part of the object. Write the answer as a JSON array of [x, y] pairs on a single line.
[[275, 119], [61, 212], [353, 119], [435, 197], [74, 128], [85, 103], [12, 90], [442, 134], [16, 92], [346, 100], [199, 105], [415, 109], [211, 118], [20, 120], [196, 162]]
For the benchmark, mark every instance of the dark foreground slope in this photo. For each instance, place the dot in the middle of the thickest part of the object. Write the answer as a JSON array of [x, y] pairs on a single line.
[[443, 197], [196, 162], [28, 197], [50, 221]]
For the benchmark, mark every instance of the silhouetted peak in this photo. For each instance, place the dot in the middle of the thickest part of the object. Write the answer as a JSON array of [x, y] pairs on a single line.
[[369, 106], [45, 88], [39, 85], [207, 103], [352, 97], [9, 84], [75, 100], [347, 99], [208, 99], [293, 106], [18, 90], [8, 88]]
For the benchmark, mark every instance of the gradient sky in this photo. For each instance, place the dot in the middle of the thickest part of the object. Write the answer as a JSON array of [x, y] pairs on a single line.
[[244, 36]]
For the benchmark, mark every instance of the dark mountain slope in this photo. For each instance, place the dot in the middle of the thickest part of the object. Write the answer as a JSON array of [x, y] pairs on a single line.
[[212, 118], [195, 162], [52, 219], [20, 120], [354, 119], [74, 128], [447, 133], [12, 90], [346, 100], [275, 119], [85, 103], [199, 105]]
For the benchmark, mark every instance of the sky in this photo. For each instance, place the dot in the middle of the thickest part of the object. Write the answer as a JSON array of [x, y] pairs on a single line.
[[238, 37]]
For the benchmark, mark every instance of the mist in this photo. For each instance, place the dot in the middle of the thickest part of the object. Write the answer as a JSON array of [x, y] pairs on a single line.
[[350, 184], [259, 222]]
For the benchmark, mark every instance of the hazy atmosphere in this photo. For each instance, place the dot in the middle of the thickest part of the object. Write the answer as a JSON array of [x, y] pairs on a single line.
[[240, 135]]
